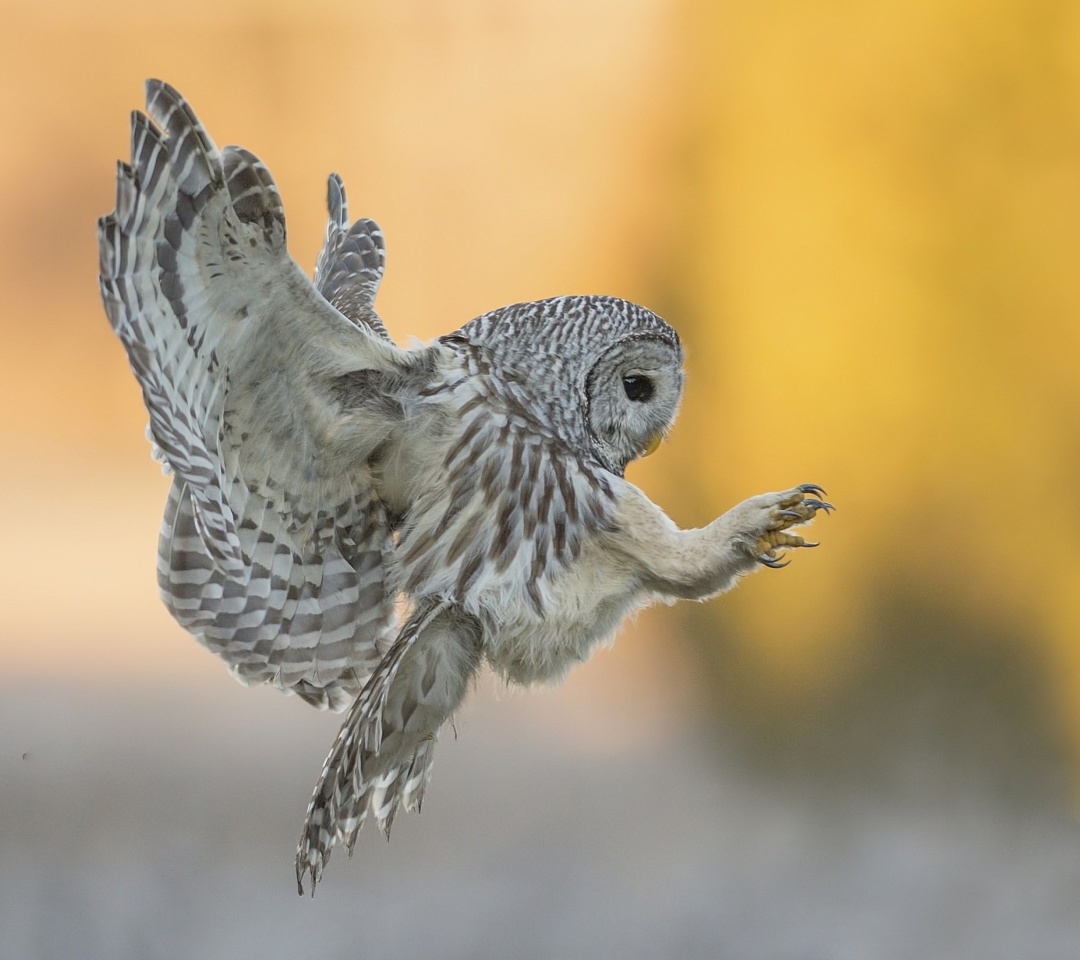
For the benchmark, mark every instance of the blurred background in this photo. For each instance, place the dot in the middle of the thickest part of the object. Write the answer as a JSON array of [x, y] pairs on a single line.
[[864, 220]]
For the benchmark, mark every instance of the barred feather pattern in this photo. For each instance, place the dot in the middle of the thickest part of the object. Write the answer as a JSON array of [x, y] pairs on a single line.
[[293, 615], [541, 355], [515, 504], [382, 756], [351, 262], [276, 569]]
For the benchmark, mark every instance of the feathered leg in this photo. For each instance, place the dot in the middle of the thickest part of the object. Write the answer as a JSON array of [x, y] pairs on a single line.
[[694, 564]]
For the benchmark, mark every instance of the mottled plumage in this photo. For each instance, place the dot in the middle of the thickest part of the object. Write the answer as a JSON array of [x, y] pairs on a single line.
[[324, 478]]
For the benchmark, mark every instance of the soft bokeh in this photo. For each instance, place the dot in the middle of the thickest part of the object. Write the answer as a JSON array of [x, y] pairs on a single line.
[[864, 219], [876, 261]]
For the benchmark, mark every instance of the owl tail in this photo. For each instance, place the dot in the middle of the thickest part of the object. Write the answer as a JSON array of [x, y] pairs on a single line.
[[382, 756]]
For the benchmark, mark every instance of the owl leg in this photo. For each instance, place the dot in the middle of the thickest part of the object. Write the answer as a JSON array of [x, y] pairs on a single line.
[[382, 755], [694, 564]]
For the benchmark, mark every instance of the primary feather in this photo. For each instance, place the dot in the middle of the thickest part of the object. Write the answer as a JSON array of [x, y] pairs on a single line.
[[273, 550]]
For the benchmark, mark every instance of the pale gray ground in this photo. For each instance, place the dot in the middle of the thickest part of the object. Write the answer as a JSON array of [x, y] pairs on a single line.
[[162, 824]]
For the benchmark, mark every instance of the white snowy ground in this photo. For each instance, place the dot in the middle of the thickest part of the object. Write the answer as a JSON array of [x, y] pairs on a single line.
[[163, 825]]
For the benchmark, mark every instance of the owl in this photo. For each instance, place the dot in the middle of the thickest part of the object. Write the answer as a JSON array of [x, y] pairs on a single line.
[[364, 525]]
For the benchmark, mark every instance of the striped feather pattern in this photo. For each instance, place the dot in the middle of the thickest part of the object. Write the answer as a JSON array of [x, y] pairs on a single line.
[[512, 507], [276, 568], [351, 262], [381, 759]]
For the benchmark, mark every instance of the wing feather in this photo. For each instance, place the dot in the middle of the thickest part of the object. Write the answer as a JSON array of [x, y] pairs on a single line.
[[274, 543], [351, 262]]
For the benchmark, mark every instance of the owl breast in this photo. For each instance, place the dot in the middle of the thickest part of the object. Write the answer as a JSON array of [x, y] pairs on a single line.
[[586, 603], [501, 511]]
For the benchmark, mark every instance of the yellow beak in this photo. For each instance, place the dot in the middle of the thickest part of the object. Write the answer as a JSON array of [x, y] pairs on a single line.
[[654, 442]]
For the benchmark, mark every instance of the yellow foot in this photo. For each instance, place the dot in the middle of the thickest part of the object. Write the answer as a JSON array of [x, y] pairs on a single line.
[[797, 506]]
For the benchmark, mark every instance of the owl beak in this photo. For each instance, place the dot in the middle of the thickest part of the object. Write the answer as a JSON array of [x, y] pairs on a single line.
[[654, 442]]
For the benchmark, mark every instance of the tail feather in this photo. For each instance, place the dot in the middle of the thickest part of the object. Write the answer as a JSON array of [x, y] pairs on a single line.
[[381, 758]]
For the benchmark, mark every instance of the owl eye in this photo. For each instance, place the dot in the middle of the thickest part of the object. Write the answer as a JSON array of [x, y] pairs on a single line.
[[638, 388]]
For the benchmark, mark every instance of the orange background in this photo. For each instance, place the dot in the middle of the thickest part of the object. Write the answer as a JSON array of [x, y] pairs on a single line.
[[864, 219]]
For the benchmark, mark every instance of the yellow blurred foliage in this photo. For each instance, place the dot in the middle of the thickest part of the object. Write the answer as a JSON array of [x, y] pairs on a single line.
[[883, 204]]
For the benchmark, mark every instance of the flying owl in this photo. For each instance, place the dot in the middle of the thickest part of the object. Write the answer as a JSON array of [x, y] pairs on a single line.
[[365, 525]]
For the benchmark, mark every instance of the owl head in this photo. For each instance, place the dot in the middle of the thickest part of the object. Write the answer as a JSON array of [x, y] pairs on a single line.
[[605, 374]]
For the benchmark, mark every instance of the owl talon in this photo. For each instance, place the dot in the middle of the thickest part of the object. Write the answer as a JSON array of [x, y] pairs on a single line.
[[793, 509], [773, 562]]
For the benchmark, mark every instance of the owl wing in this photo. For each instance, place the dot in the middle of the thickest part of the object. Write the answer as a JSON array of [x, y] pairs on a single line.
[[351, 262], [274, 542]]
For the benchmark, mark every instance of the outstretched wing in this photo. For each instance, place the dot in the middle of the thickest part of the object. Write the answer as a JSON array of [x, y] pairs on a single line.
[[351, 262], [274, 543]]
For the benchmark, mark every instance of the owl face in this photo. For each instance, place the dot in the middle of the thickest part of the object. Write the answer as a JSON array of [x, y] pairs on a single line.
[[631, 396]]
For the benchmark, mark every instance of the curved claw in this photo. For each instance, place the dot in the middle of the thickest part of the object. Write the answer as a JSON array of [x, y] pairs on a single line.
[[819, 504], [770, 562], [790, 514], [813, 488], [805, 544]]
